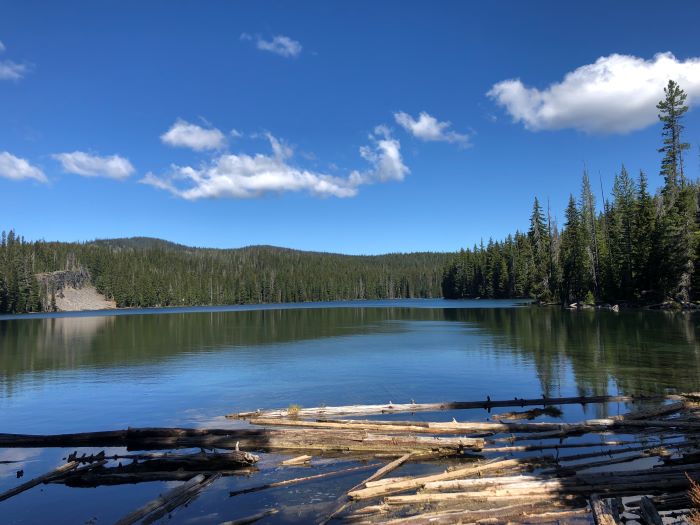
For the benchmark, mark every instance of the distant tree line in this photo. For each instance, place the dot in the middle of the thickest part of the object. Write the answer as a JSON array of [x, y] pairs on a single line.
[[638, 248], [148, 272]]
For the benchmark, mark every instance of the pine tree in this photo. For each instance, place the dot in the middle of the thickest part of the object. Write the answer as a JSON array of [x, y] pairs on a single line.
[[572, 255], [589, 234], [678, 218], [671, 110], [645, 243], [539, 240]]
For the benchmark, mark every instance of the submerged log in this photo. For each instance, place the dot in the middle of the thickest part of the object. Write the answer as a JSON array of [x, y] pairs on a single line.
[[44, 478], [434, 407], [298, 460], [533, 413], [648, 512], [170, 468], [294, 481], [251, 519], [172, 499]]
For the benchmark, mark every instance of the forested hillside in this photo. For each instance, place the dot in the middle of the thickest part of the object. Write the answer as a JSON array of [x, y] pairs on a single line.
[[142, 272], [637, 248]]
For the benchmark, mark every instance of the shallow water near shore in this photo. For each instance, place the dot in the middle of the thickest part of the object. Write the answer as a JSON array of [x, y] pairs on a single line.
[[188, 367]]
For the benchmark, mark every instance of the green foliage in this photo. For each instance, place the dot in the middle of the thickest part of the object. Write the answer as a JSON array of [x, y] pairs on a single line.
[[640, 248], [149, 272]]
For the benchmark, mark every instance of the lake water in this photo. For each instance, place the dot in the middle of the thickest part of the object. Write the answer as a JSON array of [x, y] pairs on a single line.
[[188, 367]]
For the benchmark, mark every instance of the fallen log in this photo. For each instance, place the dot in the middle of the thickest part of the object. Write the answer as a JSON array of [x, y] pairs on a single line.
[[556, 446], [170, 468], [533, 413], [414, 483], [406, 426], [649, 413], [648, 512], [434, 407], [55, 473], [602, 513], [251, 519], [294, 481], [172, 499], [258, 439], [344, 501], [469, 516], [298, 460]]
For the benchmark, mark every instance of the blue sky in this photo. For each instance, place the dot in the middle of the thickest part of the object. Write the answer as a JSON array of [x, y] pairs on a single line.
[[324, 125]]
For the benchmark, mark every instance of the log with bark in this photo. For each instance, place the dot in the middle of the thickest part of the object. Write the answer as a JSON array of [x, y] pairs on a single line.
[[393, 408], [258, 439]]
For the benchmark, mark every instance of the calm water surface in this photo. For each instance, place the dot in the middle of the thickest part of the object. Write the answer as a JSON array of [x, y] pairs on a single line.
[[188, 367]]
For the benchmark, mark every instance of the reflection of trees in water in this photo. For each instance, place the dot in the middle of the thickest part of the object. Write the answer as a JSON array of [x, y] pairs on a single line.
[[640, 351], [35, 345], [637, 350]]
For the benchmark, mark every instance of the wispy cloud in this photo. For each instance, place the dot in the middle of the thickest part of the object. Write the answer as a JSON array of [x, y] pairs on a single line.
[[186, 135], [87, 165], [16, 168], [428, 128], [246, 176], [616, 94], [10, 70], [280, 45]]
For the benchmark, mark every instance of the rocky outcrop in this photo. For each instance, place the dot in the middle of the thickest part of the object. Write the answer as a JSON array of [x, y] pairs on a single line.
[[70, 290]]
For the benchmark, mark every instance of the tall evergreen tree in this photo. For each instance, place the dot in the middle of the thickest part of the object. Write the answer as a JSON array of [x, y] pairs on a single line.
[[671, 111]]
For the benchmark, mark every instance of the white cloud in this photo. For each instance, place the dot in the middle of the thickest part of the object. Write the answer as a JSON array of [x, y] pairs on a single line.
[[385, 157], [86, 165], [187, 135], [616, 94], [429, 129], [245, 176], [10, 70], [280, 45], [15, 168]]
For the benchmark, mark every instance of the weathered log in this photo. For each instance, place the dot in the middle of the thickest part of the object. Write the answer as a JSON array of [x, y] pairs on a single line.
[[434, 407], [556, 446], [602, 513], [172, 499], [469, 516], [55, 473], [649, 413], [168, 468], [344, 501], [298, 460], [251, 519], [533, 413], [414, 483], [648, 512], [258, 439], [294, 481], [405, 426], [107, 478]]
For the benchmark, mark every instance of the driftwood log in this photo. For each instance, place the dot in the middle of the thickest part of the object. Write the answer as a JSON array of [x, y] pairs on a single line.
[[435, 407]]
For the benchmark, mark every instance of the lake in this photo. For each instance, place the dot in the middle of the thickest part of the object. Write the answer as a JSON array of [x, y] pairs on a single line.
[[188, 367]]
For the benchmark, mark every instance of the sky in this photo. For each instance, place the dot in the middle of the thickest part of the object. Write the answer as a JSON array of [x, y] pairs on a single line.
[[357, 127]]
